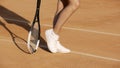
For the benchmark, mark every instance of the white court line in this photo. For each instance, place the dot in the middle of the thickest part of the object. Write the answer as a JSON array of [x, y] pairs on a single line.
[[72, 28], [78, 53], [86, 30], [96, 56]]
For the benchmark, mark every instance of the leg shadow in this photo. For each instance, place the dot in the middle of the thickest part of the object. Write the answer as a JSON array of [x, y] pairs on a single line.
[[12, 18]]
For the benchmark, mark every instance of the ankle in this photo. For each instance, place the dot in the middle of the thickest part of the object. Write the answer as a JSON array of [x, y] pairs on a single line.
[[56, 36], [56, 31]]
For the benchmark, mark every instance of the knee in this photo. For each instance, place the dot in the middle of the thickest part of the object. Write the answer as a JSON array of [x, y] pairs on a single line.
[[74, 4], [60, 5]]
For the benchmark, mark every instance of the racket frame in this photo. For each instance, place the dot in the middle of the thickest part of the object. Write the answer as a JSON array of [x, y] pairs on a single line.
[[35, 20]]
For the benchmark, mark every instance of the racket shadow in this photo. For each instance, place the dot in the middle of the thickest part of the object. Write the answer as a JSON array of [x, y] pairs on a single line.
[[18, 41]]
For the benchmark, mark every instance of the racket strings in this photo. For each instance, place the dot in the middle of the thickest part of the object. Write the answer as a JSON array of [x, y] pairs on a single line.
[[34, 38]]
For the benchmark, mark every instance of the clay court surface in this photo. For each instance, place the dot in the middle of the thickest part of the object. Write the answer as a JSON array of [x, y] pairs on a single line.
[[92, 33]]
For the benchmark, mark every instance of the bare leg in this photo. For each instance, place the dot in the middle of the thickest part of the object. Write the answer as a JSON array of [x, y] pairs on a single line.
[[65, 8]]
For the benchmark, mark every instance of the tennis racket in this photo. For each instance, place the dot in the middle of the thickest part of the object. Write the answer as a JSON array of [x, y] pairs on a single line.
[[34, 33]]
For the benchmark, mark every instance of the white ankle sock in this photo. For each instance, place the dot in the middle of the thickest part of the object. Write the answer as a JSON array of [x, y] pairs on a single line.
[[54, 34]]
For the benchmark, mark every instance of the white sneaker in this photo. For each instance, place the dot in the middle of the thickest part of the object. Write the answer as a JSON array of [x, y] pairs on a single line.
[[51, 40], [53, 44], [62, 49]]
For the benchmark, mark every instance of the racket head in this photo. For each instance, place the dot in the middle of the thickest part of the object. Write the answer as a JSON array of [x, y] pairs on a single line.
[[33, 38]]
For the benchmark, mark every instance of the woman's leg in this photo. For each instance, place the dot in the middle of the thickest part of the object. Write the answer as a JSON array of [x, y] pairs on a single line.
[[64, 10]]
